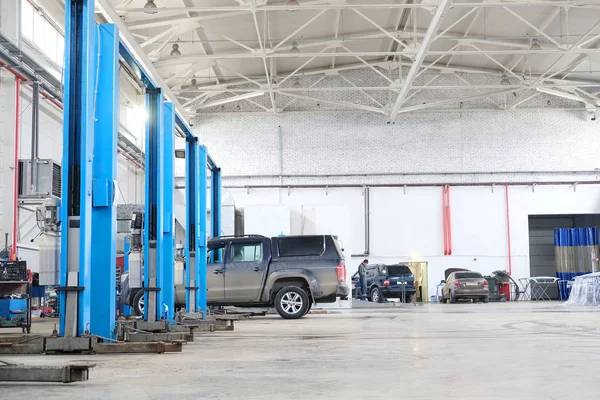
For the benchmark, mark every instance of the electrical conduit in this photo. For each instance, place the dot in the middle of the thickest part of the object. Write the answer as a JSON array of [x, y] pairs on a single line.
[[18, 79]]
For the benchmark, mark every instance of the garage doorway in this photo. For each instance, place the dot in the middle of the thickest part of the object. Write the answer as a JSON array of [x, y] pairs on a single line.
[[419, 270], [541, 241]]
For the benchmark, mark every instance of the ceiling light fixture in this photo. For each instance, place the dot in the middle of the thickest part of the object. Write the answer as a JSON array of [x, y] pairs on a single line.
[[535, 45], [194, 85], [504, 80], [295, 48], [150, 6], [175, 52], [293, 4]]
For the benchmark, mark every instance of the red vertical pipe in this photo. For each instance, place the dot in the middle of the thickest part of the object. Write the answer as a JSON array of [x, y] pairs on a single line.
[[448, 221], [16, 177], [444, 220], [508, 230]]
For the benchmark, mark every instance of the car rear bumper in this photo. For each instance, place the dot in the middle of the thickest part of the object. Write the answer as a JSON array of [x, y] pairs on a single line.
[[397, 293], [470, 293], [342, 291]]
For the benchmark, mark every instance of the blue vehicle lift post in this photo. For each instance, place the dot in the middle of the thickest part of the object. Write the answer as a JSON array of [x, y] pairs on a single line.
[[168, 281], [126, 248], [104, 210], [202, 253], [196, 209], [154, 207], [89, 168], [76, 199], [215, 207]]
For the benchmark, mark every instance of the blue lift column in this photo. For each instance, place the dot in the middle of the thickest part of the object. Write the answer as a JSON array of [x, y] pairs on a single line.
[[196, 209], [202, 252], [168, 281], [76, 201], [104, 171], [215, 206], [154, 207], [126, 248]]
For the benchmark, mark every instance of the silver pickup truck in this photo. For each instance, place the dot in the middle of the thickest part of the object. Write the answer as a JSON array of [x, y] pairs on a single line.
[[289, 273]]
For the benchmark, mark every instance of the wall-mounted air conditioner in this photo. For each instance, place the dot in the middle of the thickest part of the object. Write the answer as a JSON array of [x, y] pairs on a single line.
[[39, 179]]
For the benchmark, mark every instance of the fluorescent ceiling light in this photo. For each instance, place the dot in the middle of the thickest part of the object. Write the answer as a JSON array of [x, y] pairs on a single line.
[[294, 48], [175, 52], [150, 6], [293, 4], [535, 45]]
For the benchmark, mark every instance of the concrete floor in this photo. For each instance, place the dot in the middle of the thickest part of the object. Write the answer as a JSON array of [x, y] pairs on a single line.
[[502, 351]]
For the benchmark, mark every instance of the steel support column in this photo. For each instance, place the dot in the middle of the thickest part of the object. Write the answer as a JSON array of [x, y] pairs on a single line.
[[168, 269], [104, 210], [154, 213], [76, 210]]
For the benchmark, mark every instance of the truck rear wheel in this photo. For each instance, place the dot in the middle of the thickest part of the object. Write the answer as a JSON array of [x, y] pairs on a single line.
[[138, 303], [292, 302]]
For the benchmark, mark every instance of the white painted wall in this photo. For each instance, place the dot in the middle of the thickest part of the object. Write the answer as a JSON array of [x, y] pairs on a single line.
[[352, 150], [334, 145], [408, 227]]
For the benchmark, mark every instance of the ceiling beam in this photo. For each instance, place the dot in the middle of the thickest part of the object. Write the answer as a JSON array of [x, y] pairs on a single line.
[[337, 103], [111, 16], [230, 100], [173, 61], [385, 65], [593, 4], [434, 25], [450, 101], [466, 86]]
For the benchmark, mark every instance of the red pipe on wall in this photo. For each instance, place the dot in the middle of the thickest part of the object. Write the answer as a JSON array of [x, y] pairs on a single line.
[[446, 220], [128, 157], [449, 229], [508, 231], [16, 171], [445, 228]]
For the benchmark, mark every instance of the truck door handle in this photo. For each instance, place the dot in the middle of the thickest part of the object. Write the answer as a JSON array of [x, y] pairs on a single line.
[[256, 269], [218, 271]]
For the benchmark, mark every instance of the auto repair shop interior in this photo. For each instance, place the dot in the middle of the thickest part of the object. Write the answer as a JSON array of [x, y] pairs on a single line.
[[337, 199]]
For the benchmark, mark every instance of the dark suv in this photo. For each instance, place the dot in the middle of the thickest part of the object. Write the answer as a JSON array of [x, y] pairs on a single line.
[[387, 281]]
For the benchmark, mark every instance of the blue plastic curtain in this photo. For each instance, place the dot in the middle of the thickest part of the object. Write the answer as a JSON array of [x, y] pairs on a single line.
[[574, 249]]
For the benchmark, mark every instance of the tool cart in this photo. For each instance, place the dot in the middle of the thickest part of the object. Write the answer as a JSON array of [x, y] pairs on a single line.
[[15, 296]]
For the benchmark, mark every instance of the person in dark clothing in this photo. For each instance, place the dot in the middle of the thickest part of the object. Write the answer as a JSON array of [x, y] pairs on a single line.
[[362, 274]]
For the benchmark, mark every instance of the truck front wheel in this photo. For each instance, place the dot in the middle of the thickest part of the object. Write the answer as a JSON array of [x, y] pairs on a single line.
[[292, 302]]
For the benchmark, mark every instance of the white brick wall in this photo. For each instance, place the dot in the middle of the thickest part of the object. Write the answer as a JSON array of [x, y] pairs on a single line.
[[435, 143]]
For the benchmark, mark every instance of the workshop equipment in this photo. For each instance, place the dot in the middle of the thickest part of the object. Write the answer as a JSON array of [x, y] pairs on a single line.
[[15, 295], [49, 260], [499, 286]]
